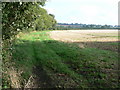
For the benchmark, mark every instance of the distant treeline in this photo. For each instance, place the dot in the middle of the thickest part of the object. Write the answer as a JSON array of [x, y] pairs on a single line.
[[66, 26]]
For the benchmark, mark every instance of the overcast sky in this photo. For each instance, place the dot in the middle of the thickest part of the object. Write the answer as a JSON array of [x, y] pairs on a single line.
[[84, 11]]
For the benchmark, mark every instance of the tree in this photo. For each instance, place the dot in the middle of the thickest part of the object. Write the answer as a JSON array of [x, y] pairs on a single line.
[[45, 21], [18, 16]]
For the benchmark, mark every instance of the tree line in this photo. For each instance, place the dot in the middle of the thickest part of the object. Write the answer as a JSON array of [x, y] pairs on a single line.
[[19, 17], [22, 16], [75, 26]]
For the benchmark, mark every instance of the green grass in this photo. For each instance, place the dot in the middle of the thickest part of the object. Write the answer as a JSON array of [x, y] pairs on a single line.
[[114, 43], [84, 66]]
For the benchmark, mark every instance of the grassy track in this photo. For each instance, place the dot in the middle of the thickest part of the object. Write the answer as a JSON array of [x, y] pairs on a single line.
[[65, 64]]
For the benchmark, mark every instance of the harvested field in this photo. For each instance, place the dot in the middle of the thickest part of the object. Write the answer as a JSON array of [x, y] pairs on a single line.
[[102, 39], [85, 35]]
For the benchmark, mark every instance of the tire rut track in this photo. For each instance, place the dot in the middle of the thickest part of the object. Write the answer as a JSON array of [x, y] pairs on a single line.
[[40, 78]]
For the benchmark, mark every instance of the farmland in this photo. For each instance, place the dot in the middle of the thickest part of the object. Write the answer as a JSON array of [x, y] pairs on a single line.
[[103, 39], [41, 49], [66, 59]]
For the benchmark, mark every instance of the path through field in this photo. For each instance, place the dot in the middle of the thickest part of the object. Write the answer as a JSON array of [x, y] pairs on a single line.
[[74, 59]]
